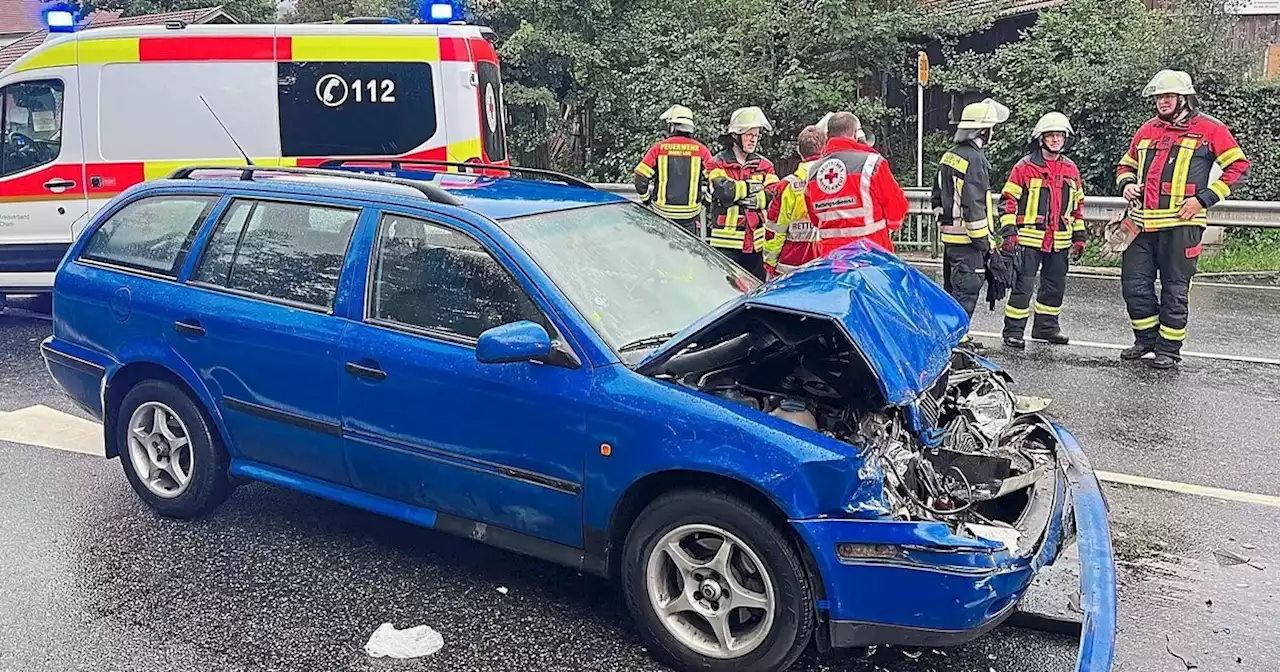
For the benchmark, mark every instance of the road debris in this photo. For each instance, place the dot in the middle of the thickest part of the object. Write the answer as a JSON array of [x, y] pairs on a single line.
[[1230, 559], [503, 590], [1169, 647], [1248, 547], [913, 655], [413, 642]]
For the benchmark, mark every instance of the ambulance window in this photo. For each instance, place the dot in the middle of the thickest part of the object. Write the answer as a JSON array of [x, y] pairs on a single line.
[[31, 119], [288, 251], [151, 234], [355, 108], [493, 114]]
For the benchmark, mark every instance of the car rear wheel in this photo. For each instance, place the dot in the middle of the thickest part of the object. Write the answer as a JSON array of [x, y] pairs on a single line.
[[170, 456], [714, 585]]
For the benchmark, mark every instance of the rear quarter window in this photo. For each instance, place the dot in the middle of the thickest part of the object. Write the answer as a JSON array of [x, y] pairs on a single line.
[[355, 108], [493, 115], [151, 234]]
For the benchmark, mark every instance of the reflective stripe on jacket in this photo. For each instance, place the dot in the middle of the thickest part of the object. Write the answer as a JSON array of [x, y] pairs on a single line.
[[1043, 203], [672, 176], [790, 238], [739, 200], [961, 195], [1175, 161], [851, 194]]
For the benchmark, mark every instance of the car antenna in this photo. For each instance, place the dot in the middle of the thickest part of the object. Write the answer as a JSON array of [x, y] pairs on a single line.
[[224, 130]]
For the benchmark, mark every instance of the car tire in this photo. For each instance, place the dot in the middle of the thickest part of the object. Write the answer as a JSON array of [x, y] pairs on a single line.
[[696, 515], [156, 462]]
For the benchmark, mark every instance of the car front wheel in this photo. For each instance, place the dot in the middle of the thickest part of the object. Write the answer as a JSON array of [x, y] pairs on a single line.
[[714, 585], [168, 451]]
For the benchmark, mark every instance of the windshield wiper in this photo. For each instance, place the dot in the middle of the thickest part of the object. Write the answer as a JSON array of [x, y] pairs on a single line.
[[647, 342]]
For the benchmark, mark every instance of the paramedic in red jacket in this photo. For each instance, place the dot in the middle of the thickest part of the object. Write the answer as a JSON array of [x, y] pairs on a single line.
[[1167, 176], [851, 194]]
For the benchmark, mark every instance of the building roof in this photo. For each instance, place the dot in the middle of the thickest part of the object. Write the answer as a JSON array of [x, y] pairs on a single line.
[[101, 19], [998, 8], [20, 16]]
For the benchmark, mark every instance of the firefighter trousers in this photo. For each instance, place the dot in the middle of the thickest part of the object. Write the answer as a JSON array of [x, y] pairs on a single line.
[[752, 261], [1160, 324], [689, 224], [1052, 269], [963, 271]]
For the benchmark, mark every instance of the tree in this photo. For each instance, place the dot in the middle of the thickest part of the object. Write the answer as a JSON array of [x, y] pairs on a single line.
[[337, 10], [1090, 59], [255, 11]]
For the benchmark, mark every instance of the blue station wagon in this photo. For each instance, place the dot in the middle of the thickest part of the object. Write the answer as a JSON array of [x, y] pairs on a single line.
[[518, 358]]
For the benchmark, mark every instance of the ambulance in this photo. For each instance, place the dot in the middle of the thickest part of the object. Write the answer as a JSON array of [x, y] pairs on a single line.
[[87, 114]]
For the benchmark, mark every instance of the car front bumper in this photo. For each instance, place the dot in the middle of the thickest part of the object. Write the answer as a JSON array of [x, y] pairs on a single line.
[[945, 589]]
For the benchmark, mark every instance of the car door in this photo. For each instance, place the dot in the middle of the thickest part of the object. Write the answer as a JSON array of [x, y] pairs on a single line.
[[42, 191], [427, 424], [259, 329]]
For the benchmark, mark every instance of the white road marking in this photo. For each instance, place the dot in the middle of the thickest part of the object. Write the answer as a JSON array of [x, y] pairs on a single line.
[[49, 428], [1189, 489], [1185, 353]]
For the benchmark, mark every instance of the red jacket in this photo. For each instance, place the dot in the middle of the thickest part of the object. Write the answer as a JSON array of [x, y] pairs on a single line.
[[1042, 203], [851, 195], [738, 200], [1172, 161]]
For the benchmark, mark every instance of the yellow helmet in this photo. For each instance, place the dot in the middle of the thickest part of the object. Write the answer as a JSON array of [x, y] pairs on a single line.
[[985, 114], [678, 115], [747, 118], [1053, 121], [1170, 81]]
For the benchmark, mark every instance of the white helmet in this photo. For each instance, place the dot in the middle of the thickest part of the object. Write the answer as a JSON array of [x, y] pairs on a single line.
[[863, 137], [985, 114], [747, 118], [679, 116], [1169, 81], [1053, 121]]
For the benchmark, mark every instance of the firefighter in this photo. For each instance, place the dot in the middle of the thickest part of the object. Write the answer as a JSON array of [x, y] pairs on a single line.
[[962, 202], [1167, 176], [739, 176], [677, 166], [790, 239], [1042, 209], [850, 193]]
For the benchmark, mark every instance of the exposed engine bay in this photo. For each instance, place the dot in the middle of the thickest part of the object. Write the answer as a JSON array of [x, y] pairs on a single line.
[[956, 455]]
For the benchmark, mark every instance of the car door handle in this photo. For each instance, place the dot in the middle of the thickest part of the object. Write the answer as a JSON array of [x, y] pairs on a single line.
[[368, 372], [189, 328], [59, 183]]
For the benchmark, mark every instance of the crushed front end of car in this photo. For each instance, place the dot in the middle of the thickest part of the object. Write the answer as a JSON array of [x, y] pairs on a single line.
[[965, 490]]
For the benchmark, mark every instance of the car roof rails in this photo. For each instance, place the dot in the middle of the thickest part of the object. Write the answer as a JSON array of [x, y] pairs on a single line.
[[398, 164], [431, 191]]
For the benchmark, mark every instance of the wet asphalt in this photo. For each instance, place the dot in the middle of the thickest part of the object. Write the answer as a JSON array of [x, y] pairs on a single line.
[[90, 579]]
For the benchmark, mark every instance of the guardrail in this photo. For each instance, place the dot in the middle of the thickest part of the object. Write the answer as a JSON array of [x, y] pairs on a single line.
[[921, 233]]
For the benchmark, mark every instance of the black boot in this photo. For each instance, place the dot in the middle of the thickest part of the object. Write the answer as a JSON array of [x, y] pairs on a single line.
[[1162, 361], [1136, 352], [1015, 342], [1056, 339]]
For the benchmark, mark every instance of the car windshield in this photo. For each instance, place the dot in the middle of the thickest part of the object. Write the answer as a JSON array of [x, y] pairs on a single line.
[[636, 277]]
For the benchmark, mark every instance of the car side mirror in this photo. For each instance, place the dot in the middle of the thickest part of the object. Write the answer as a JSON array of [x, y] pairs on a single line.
[[515, 342]]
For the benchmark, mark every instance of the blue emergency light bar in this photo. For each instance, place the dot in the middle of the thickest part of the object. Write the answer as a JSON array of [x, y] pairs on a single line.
[[442, 11], [60, 20]]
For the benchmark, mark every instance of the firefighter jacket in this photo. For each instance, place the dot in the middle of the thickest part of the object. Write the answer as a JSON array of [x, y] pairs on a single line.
[[851, 195], [961, 196], [738, 200], [1043, 203], [1173, 161], [790, 238], [672, 176]]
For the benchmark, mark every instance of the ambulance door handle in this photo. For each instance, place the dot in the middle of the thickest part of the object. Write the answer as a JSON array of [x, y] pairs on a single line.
[[58, 184]]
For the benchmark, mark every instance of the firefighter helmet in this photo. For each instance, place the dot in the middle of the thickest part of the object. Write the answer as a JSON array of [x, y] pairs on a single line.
[[679, 116], [868, 139], [1169, 81], [1051, 122], [985, 114], [747, 118]]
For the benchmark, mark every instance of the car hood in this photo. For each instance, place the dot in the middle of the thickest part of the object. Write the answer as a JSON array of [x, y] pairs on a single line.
[[902, 323]]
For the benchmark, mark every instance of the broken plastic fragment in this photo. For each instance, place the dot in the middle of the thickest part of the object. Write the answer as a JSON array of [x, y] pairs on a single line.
[[913, 654], [502, 589], [413, 642], [1027, 404]]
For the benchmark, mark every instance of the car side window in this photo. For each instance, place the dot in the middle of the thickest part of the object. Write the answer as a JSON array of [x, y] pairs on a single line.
[[30, 125], [434, 278], [288, 251], [151, 234]]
